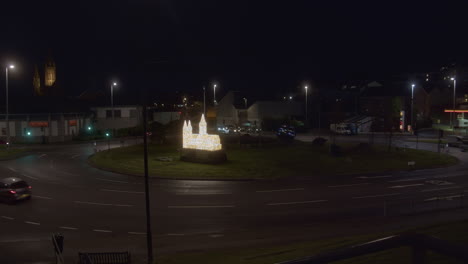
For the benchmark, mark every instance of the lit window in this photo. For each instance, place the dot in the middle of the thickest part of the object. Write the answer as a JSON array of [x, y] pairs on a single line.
[[427, 75], [427, 79]]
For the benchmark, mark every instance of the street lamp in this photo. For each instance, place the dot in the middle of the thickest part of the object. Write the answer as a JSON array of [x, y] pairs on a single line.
[[290, 97], [412, 103], [453, 107], [214, 94], [112, 98], [11, 66], [306, 88], [245, 102]]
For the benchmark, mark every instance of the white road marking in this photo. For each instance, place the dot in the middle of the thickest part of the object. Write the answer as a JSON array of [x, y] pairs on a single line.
[[111, 180], [27, 176], [174, 234], [32, 223], [410, 179], [13, 170], [348, 185], [199, 206], [375, 177], [74, 156], [405, 186], [43, 155], [68, 228], [103, 204], [440, 189], [8, 218], [216, 235], [301, 202], [449, 198], [281, 190], [42, 197], [204, 193], [376, 196], [102, 231], [137, 233], [108, 190]]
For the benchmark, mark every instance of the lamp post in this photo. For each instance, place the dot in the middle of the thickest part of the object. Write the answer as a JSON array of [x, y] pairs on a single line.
[[453, 107], [204, 100], [7, 110], [306, 119], [214, 94], [245, 102], [412, 103], [112, 98]]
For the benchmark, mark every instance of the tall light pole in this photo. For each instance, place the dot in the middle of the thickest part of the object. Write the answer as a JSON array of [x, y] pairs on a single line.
[[112, 98], [7, 110], [306, 88], [453, 107], [412, 103], [204, 100], [214, 94], [245, 102]]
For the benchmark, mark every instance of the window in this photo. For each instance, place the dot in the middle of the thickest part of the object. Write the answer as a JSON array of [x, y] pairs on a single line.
[[133, 113], [4, 131], [117, 113], [108, 113]]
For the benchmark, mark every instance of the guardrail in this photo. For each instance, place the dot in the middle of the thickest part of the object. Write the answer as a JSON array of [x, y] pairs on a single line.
[[419, 244], [104, 258]]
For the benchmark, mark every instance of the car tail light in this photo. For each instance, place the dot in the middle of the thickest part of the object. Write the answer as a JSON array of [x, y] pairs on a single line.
[[12, 192], [29, 187]]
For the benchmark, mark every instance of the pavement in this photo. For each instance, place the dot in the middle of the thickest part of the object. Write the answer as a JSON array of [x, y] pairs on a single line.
[[99, 211]]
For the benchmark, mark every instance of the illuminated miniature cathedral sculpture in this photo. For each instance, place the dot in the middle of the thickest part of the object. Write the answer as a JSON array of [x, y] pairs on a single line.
[[202, 140], [201, 147]]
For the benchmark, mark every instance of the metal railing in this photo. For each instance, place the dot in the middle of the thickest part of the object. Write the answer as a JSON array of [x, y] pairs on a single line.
[[419, 243], [105, 258]]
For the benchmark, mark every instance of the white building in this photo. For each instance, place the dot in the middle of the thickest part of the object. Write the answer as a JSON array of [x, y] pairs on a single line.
[[45, 128], [124, 117]]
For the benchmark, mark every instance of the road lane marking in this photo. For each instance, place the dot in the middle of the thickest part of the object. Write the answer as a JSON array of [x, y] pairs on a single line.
[[348, 185], [42, 197], [440, 189], [68, 227], [198, 206], [375, 177], [376, 196], [137, 233], [13, 170], [175, 234], [102, 230], [27, 176], [405, 186], [103, 204], [74, 156], [301, 202], [111, 180], [410, 179], [32, 223], [43, 155], [281, 190], [8, 218], [109, 190], [448, 198]]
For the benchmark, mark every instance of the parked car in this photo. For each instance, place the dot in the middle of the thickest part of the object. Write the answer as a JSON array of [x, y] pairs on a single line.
[[14, 189], [286, 132]]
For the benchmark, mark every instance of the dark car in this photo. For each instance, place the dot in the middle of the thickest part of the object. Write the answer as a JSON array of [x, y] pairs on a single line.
[[286, 132], [14, 189]]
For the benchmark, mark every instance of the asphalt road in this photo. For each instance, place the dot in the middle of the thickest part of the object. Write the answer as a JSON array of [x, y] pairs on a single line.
[[103, 211]]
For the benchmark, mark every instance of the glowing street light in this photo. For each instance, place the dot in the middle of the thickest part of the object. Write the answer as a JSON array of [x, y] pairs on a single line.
[[412, 103], [112, 98], [452, 124], [214, 94], [306, 119], [11, 66]]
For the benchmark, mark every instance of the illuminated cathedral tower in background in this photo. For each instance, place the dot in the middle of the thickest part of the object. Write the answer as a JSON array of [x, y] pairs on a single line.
[[46, 86]]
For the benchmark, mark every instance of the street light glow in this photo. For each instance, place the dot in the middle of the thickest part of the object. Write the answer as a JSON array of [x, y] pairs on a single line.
[[115, 84], [452, 79], [12, 66], [306, 87], [89, 128], [107, 134]]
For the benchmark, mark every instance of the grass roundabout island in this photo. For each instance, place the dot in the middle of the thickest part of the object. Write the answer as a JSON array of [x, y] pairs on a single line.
[[270, 161]]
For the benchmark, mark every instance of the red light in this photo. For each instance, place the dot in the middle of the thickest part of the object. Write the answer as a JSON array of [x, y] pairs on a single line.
[[12, 192], [29, 187]]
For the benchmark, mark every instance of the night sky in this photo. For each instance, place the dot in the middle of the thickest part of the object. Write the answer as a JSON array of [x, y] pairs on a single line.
[[267, 46]]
